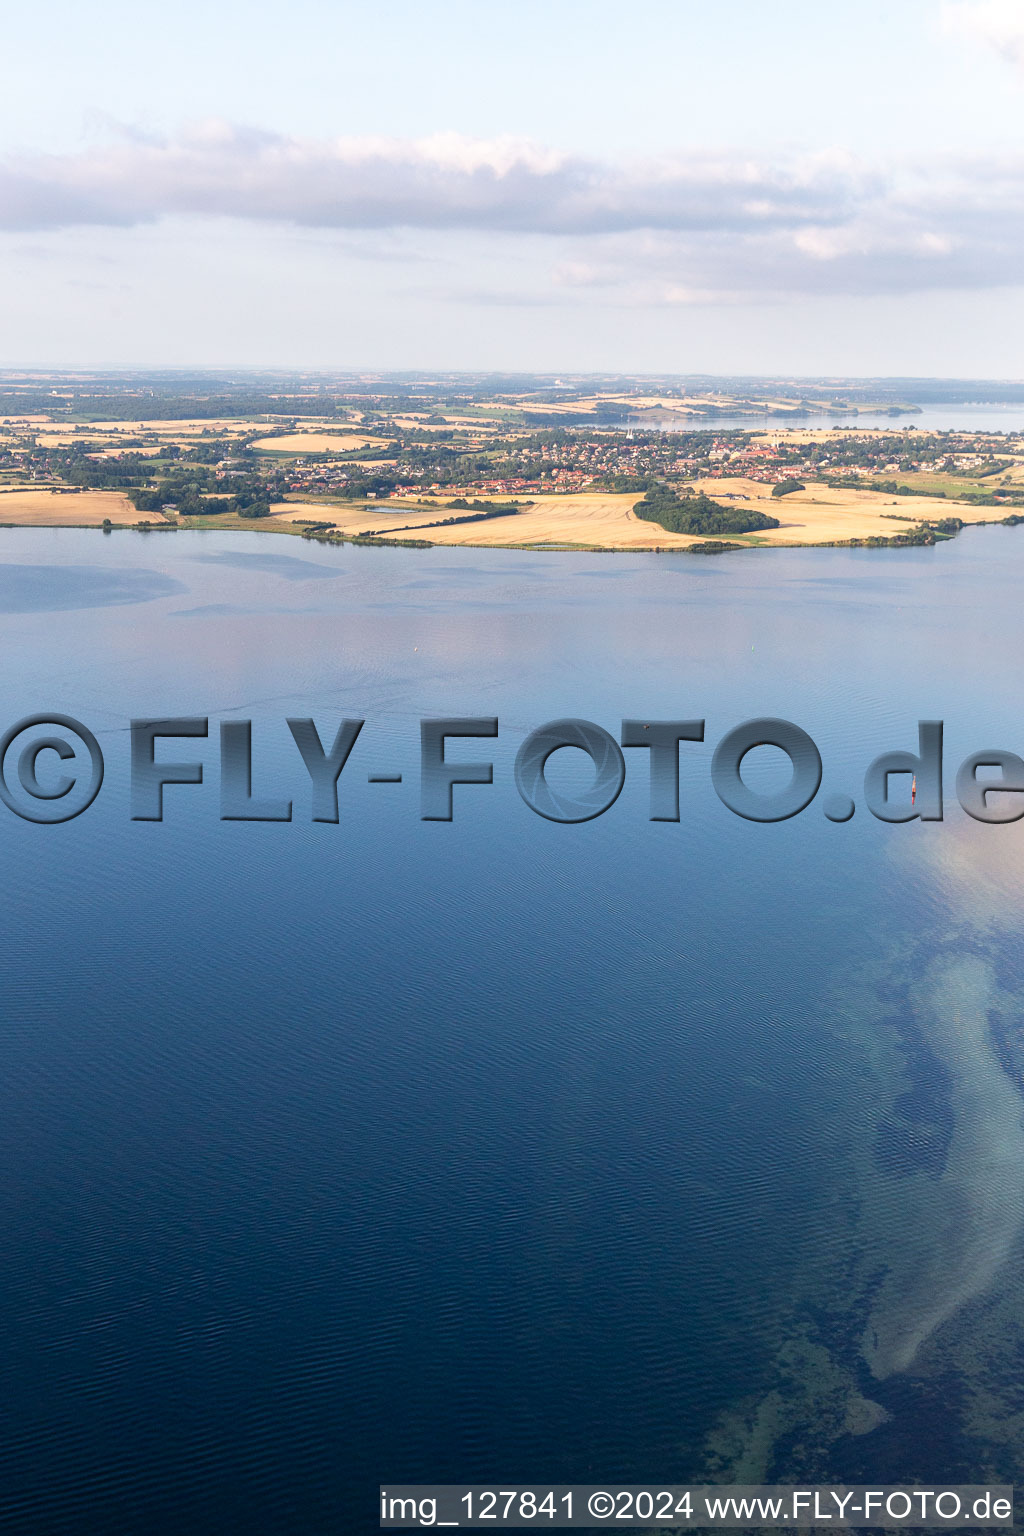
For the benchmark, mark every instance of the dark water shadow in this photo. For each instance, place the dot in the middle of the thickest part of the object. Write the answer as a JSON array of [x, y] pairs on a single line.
[[57, 588]]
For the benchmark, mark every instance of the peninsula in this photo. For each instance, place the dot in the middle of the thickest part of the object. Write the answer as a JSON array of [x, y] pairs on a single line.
[[531, 463]]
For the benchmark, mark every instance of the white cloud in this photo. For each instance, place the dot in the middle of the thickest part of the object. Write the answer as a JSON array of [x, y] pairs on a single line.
[[669, 230], [999, 23], [446, 181]]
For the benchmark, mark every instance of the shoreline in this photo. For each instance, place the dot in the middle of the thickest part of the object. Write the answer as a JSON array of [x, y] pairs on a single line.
[[709, 547]]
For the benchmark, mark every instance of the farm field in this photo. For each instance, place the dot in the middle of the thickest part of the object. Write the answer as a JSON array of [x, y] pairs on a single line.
[[317, 441], [51, 509], [819, 515], [823, 514], [372, 460], [606, 520], [65, 432]]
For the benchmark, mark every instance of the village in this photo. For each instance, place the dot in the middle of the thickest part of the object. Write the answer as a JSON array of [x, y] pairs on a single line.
[[286, 469]]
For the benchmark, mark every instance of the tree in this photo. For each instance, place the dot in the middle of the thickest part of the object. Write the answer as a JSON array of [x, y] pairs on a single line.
[[699, 514]]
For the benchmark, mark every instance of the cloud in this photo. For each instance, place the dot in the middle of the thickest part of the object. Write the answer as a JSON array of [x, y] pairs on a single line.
[[999, 23], [447, 181], [681, 228]]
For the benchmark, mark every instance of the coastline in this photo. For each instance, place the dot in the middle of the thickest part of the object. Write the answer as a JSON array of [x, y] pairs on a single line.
[[733, 544]]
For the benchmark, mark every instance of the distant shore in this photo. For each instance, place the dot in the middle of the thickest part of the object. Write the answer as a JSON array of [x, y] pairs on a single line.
[[817, 516]]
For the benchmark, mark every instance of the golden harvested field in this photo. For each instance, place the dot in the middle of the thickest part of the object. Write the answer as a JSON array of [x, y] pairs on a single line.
[[599, 518], [602, 519], [822, 514], [696, 406], [555, 407], [476, 428], [50, 509], [418, 424], [684, 407], [110, 433], [348, 518], [175, 429], [168, 429], [102, 447], [57, 439], [318, 442], [819, 515], [308, 511], [816, 435]]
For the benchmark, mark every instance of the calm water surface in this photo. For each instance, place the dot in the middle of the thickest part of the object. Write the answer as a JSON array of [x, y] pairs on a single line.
[[393, 1150], [973, 417]]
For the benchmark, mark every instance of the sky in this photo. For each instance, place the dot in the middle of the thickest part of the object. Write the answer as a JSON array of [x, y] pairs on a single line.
[[671, 187]]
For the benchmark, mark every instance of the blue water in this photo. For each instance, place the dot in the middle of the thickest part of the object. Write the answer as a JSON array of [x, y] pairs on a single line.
[[973, 416], [403, 1150]]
